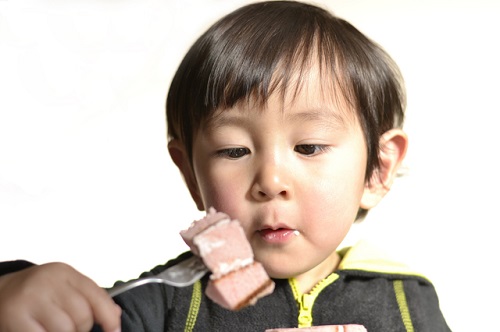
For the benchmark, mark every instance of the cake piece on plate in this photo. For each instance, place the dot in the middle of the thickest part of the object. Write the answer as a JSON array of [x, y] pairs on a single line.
[[323, 328]]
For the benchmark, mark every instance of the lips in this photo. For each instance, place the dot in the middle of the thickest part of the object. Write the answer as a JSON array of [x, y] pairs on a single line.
[[278, 235]]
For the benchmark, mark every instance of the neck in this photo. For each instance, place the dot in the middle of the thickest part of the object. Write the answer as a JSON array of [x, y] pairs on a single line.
[[306, 281]]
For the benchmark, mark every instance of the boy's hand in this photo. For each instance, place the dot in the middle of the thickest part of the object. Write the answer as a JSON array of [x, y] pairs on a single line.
[[54, 297]]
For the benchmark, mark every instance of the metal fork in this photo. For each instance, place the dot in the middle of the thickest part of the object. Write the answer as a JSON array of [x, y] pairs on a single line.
[[183, 274]]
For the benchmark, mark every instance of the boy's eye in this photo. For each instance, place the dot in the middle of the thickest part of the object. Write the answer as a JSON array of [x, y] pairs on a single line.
[[309, 149], [233, 153]]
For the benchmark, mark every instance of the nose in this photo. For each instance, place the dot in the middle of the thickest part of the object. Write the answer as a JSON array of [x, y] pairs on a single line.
[[271, 181]]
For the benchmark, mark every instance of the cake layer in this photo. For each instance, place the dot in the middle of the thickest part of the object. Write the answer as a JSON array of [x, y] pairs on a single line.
[[241, 287], [224, 247], [323, 328], [198, 226]]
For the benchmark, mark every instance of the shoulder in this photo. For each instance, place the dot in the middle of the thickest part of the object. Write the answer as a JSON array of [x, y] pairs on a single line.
[[374, 283], [365, 258]]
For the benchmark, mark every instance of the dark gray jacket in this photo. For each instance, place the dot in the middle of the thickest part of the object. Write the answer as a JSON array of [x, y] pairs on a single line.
[[367, 289]]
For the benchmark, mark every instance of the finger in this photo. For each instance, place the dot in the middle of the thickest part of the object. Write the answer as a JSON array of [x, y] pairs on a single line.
[[78, 309], [59, 305], [57, 321], [25, 323], [104, 310], [108, 314]]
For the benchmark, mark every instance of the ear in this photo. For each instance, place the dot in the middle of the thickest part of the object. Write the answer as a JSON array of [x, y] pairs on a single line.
[[181, 160], [393, 145]]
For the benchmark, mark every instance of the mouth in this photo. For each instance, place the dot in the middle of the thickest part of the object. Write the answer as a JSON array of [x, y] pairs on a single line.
[[278, 235]]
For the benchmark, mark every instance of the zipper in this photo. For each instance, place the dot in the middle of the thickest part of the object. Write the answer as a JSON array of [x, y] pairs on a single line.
[[306, 301]]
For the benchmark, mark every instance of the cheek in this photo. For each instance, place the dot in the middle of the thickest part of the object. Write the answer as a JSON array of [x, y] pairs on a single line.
[[328, 206], [334, 198], [221, 190], [328, 216]]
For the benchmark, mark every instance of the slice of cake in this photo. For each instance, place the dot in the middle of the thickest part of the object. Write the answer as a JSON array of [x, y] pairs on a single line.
[[241, 287], [224, 247], [236, 280], [199, 226], [323, 328]]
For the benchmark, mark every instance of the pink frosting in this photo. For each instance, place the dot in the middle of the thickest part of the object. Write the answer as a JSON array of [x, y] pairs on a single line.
[[199, 226]]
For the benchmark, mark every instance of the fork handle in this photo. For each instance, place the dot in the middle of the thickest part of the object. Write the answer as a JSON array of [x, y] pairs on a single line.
[[118, 289]]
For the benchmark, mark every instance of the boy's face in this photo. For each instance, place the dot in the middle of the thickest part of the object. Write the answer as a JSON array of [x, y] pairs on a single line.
[[293, 174]]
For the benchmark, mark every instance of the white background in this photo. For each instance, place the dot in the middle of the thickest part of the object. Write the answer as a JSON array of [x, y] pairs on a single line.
[[85, 177]]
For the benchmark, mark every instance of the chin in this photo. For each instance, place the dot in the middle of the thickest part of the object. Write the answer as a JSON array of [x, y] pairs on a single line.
[[280, 269]]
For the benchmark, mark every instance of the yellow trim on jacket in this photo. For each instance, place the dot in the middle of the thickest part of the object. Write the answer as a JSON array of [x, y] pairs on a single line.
[[366, 257]]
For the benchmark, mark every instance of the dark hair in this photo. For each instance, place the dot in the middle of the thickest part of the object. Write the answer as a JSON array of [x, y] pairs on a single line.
[[254, 51]]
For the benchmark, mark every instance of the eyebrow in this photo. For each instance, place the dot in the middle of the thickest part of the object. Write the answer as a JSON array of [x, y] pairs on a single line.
[[221, 120], [329, 118], [326, 117]]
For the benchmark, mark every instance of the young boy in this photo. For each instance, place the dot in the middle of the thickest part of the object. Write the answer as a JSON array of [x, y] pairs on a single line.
[[289, 120]]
